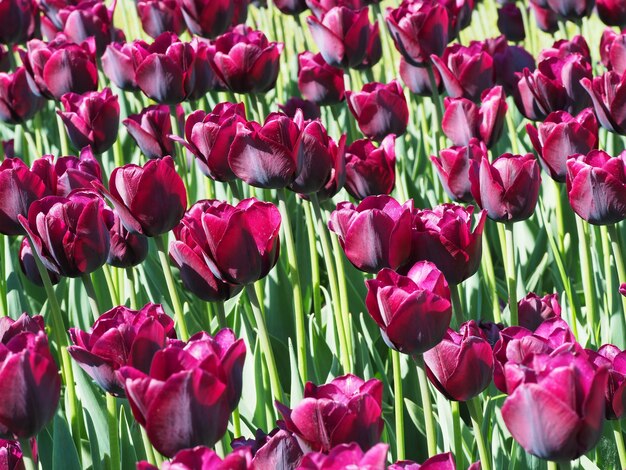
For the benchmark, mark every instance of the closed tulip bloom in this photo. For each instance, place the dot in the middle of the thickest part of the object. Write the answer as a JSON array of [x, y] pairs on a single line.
[[150, 130], [570, 389], [596, 187], [60, 67], [29, 265], [375, 234], [121, 337], [319, 82], [413, 312], [444, 236], [508, 61], [374, 49], [159, 16], [371, 170], [564, 47], [119, 62], [453, 165], [201, 457], [291, 7], [379, 109], [612, 12], [342, 35], [205, 374], [11, 455], [464, 120], [127, 249], [560, 136], [510, 22], [612, 50], [19, 21], [268, 155], [149, 200], [278, 449], [417, 80], [346, 456], [608, 93], [534, 310], [615, 394], [347, 409], [66, 174], [546, 19], [436, 462], [310, 111], [320, 7], [19, 98], [207, 18], [508, 188], [91, 119], [245, 61], [419, 30], [88, 19], [572, 10]]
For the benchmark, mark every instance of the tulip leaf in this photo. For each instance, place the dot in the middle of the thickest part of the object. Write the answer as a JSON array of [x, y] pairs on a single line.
[[94, 405], [64, 455], [297, 387], [93, 443], [128, 455]]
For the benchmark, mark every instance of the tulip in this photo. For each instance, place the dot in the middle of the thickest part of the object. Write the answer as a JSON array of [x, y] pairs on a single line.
[[508, 61], [207, 18], [310, 111], [534, 310], [437, 462], [342, 46], [29, 265], [508, 188], [149, 200], [596, 187], [376, 234], [278, 449], [87, 19], [417, 79], [370, 170], [30, 383], [11, 455], [291, 7], [150, 129], [347, 409], [510, 22], [239, 243], [268, 155], [570, 389], [547, 20], [414, 311], [379, 109], [127, 249], [612, 12], [346, 456], [8, 148], [119, 62], [612, 50], [464, 120], [159, 16], [205, 374], [19, 99], [373, 50], [66, 174], [608, 93], [560, 136], [246, 61], [320, 7], [615, 359], [319, 82], [562, 48], [121, 337], [60, 67], [240, 12], [419, 30], [622, 289], [5, 62], [444, 236], [19, 21], [491, 331], [91, 119], [202, 458], [572, 10], [453, 166]]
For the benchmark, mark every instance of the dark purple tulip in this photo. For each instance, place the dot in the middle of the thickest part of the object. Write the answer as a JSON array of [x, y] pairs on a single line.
[[291, 7], [572, 10], [159, 16], [149, 200], [150, 129], [245, 61], [278, 449], [437, 462], [207, 18], [342, 35], [379, 109], [347, 409], [444, 236], [453, 165], [29, 266], [419, 30], [19, 21], [510, 22], [508, 188], [596, 187], [570, 389], [19, 98], [201, 457], [608, 93], [127, 249], [464, 120], [612, 12], [60, 67], [119, 63], [370, 170], [8, 148], [346, 456], [417, 79], [615, 359], [204, 374], [491, 331], [121, 337], [310, 111], [412, 311], [376, 234], [209, 137], [461, 365], [319, 82], [560, 136], [91, 119], [69, 233], [546, 19], [11, 455], [465, 71], [268, 155], [508, 62], [87, 19], [534, 310]]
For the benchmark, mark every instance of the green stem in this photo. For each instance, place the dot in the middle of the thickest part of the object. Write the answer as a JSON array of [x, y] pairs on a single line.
[[161, 244], [147, 445], [398, 401], [475, 409], [511, 282], [619, 442], [512, 133], [429, 418], [27, 455], [490, 275], [456, 430], [587, 277], [65, 148], [221, 315], [456, 304], [560, 218], [114, 439], [553, 465], [130, 274], [619, 259], [343, 294], [116, 298], [298, 304], [236, 423], [91, 295], [315, 264], [438, 113]]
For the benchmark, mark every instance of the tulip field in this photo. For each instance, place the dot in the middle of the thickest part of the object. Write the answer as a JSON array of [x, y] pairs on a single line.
[[312, 234]]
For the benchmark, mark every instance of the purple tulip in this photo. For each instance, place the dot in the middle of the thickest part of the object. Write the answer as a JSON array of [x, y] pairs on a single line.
[[88, 19], [119, 62], [204, 374], [417, 79], [413, 312], [149, 200], [346, 456], [562, 48], [453, 165], [511, 23], [622, 289], [310, 111], [127, 249], [319, 82], [278, 449], [612, 12], [29, 265], [534, 310], [347, 409], [30, 383], [596, 187], [508, 188], [612, 50], [608, 94], [508, 62], [370, 170], [159, 16], [437, 462], [291, 7], [19, 21], [121, 337], [379, 109], [546, 19], [11, 455], [201, 457], [206, 18], [560, 136], [19, 98], [572, 10], [615, 394], [320, 7], [150, 130], [375, 234], [373, 50], [91, 119]]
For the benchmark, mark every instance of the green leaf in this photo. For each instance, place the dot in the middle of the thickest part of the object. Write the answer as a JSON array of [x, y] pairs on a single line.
[[64, 455]]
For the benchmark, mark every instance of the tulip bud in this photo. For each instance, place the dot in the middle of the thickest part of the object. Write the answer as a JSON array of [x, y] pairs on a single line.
[[19, 21], [562, 48], [127, 249], [436, 462], [291, 7], [534, 310], [278, 449], [612, 12], [346, 456], [615, 394], [373, 50], [546, 19], [150, 130], [370, 170], [19, 99], [159, 16], [320, 7], [66, 174], [203, 458], [612, 51], [29, 265], [608, 93], [310, 111], [453, 166], [508, 62], [207, 18], [319, 82], [511, 23], [119, 64]]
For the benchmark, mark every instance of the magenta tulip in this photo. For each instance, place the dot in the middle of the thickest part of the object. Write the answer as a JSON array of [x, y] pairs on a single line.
[[29, 265], [119, 62], [159, 16], [622, 289], [612, 12], [19, 21], [608, 93], [150, 130], [201, 457], [534, 310], [370, 170], [88, 19], [319, 82], [437, 462], [310, 111], [612, 49], [11, 455], [453, 165], [346, 456], [206, 18], [278, 449], [615, 394]]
